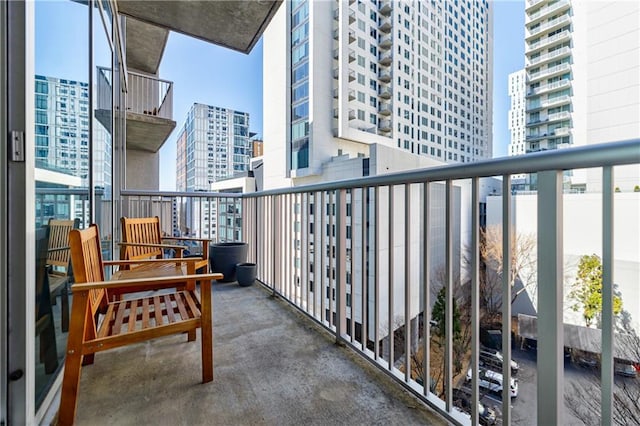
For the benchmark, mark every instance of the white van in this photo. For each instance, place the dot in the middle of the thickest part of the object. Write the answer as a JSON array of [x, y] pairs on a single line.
[[492, 381]]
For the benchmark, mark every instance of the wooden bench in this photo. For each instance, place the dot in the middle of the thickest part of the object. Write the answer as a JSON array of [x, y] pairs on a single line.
[[98, 324]]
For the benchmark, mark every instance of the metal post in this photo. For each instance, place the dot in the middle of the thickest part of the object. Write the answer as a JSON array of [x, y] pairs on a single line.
[[475, 297], [550, 292], [507, 239], [426, 314], [364, 272], [391, 272], [407, 281], [448, 321], [341, 270], [376, 255], [607, 297]]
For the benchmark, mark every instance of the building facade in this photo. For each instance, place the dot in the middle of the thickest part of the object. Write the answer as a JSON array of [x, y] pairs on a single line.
[[582, 66], [212, 145], [340, 76], [517, 90]]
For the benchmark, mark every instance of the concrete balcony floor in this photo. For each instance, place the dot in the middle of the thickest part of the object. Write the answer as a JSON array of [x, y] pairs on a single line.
[[272, 366]]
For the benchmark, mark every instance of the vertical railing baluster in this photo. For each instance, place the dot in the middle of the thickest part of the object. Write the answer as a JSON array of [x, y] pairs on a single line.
[[376, 256], [448, 347], [407, 282], [341, 264], [352, 272], [426, 307], [331, 282], [475, 297], [364, 275], [550, 296], [507, 240], [391, 273], [321, 250], [607, 297]]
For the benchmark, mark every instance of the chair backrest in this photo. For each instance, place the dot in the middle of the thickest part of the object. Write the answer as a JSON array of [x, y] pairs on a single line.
[[140, 230], [86, 259], [58, 239]]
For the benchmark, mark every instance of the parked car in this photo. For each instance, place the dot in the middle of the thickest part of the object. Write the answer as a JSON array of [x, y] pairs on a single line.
[[491, 339], [624, 369], [462, 400], [493, 381], [493, 359]]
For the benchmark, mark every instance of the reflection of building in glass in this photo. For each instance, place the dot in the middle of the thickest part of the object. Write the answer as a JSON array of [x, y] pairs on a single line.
[[62, 150]]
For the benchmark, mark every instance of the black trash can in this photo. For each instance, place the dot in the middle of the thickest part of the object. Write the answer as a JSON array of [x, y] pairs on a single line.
[[246, 274], [225, 256]]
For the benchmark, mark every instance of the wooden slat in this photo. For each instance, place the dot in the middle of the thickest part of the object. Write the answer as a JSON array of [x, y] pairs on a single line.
[[106, 324], [195, 310], [157, 310], [145, 313], [121, 308], [169, 307], [133, 315], [180, 304]]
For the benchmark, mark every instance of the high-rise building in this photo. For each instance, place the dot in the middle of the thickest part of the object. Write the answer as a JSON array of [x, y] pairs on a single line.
[[517, 90], [212, 145], [342, 76], [582, 72]]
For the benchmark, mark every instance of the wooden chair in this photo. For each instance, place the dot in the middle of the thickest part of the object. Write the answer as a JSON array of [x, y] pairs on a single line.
[[142, 239], [59, 261], [128, 321], [45, 328]]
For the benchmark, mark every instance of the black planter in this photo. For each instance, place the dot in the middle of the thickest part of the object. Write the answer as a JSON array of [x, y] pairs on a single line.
[[246, 274], [225, 256]]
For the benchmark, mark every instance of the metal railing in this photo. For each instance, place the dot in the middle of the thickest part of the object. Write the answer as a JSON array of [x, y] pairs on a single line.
[[366, 257]]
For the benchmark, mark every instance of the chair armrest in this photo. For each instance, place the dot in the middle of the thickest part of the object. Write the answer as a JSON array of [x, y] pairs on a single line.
[[150, 282], [188, 239], [51, 250], [142, 261], [163, 246]]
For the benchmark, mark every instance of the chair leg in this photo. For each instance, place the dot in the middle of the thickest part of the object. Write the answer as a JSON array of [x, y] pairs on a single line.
[[206, 332], [48, 349], [70, 384], [64, 309], [191, 336]]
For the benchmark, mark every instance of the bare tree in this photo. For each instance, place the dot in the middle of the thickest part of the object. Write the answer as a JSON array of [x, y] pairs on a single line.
[[582, 398], [523, 267]]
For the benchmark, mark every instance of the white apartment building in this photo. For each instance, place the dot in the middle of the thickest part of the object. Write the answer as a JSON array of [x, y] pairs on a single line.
[[517, 90], [583, 67], [212, 145], [340, 76]]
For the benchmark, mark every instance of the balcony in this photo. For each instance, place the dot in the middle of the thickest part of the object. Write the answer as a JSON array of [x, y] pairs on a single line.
[[547, 26], [549, 72], [384, 75], [385, 58], [351, 74], [384, 125], [258, 379], [384, 91], [149, 109], [549, 87], [384, 108], [542, 12], [555, 54], [385, 7], [385, 42], [548, 42], [533, 3], [385, 25]]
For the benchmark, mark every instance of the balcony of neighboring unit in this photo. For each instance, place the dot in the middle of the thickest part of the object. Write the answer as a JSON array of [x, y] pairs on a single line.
[[352, 36], [385, 25], [352, 55], [548, 42], [384, 108], [549, 56], [384, 75], [536, 104], [549, 72], [538, 15], [533, 3], [384, 91], [547, 26], [385, 42], [548, 87], [351, 15], [351, 93], [385, 7], [351, 113], [149, 109], [384, 125], [558, 116], [385, 58], [351, 74]]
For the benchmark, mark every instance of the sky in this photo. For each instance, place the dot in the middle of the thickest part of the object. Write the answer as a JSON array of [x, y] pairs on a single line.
[[212, 75]]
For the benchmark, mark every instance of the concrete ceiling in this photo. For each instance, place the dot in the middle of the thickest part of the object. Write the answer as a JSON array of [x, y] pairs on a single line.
[[145, 45], [235, 24]]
